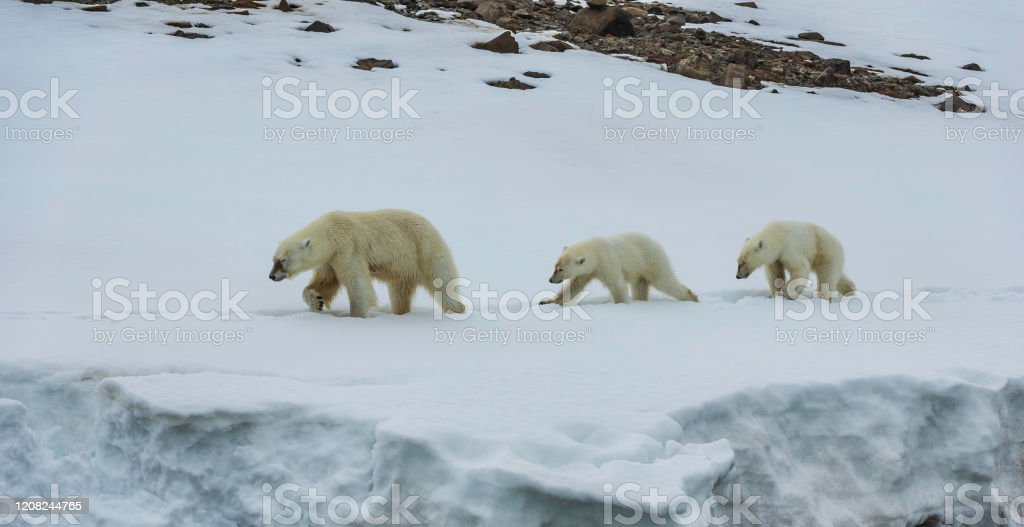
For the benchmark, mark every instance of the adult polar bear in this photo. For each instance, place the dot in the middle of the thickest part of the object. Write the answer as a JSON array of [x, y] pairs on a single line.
[[798, 247], [351, 249], [627, 259]]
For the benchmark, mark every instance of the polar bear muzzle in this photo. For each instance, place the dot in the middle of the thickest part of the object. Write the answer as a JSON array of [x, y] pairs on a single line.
[[277, 273]]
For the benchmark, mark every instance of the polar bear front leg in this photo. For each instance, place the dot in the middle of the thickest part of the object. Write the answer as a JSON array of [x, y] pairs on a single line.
[[321, 289], [568, 291], [619, 290], [799, 276], [356, 277], [775, 272]]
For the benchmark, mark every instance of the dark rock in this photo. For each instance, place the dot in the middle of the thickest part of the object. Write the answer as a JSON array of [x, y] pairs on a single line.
[[551, 46], [915, 56], [503, 43], [736, 76], [284, 6], [752, 5], [911, 80], [536, 75], [320, 27], [597, 4], [96, 9], [753, 22], [811, 35], [957, 104], [910, 71], [141, 4], [370, 63], [511, 84], [189, 35], [971, 67], [612, 21], [492, 10], [774, 90], [841, 66]]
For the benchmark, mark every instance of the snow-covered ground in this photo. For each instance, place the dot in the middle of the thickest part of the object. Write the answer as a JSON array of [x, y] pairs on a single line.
[[170, 181]]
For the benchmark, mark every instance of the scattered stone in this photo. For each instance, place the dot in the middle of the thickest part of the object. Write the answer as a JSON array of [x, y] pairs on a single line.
[[635, 11], [915, 56], [285, 7], [971, 67], [187, 25], [503, 43], [96, 9], [752, 5], [141, 4], [511, 84], [607, 21], [753, 22], [911, 80], [736, 76], [242, 12], [910, 71], [956, 104], [775, 91], [840, 66], [320, 27], [713, 18], [536, 75], [492, 11], [370, 63], [189, 35], [811, 35], [597, 4], [666, 38], [556, 46]]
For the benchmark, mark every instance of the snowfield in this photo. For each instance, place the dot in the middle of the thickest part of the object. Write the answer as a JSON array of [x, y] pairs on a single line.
[[174, 178]]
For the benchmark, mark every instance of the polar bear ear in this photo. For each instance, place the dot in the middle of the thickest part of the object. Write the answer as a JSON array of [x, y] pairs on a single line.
[[306, 242], [580, 260]]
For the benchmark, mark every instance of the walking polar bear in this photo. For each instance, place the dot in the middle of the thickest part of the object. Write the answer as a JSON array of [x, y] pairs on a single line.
[[351, 249], [797, 247], [632, 259]]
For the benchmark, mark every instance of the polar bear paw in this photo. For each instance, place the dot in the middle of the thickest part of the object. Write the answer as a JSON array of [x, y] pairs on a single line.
[[313, 299]]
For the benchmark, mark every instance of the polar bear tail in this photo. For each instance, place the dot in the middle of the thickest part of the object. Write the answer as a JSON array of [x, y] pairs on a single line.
[[845, 285]]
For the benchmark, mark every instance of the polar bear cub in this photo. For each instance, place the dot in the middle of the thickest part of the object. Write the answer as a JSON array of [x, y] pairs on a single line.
[[632, 260], [799, 248], [351, 249]]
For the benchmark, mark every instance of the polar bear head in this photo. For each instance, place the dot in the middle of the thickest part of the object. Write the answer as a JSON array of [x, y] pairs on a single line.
[[756, 252], [575, 261], [293, 257]]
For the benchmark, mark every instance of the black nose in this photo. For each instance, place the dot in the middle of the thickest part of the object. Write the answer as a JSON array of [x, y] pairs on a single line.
[[272, 277], [552, 280]]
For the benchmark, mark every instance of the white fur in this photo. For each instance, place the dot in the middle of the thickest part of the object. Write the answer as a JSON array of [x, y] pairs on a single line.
[[350, 249], [619, 262], [798, 248]]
